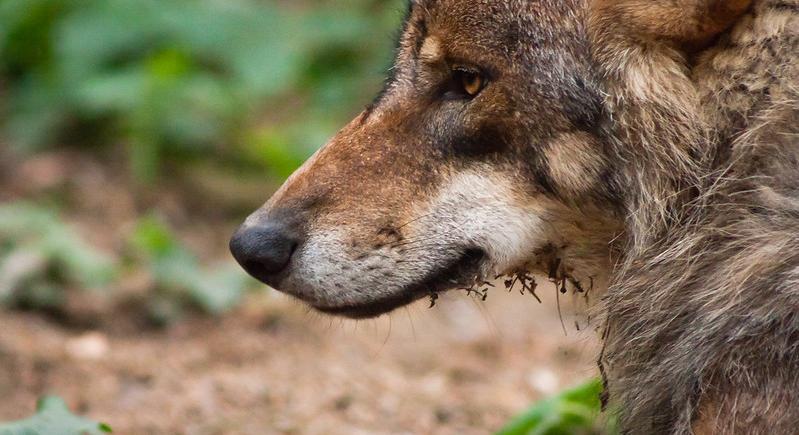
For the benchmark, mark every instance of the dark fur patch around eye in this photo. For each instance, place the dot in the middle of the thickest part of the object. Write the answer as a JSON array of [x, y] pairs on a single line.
[[487, 140]]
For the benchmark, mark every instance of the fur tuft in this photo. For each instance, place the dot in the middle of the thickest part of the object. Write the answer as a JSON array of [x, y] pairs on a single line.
[[701, 321]]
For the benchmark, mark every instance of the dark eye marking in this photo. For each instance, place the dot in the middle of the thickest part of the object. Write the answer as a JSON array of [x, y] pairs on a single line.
[[487, 140], [465, 83]]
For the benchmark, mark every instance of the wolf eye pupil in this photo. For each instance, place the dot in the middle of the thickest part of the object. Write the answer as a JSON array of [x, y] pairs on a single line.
[[466, 83], [472, 82]]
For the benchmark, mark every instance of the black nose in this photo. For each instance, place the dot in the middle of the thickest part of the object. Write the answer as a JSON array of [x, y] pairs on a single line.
[[263, 250]]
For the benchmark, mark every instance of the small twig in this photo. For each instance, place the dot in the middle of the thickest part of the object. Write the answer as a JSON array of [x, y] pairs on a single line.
[[560, 314], [433, 298]]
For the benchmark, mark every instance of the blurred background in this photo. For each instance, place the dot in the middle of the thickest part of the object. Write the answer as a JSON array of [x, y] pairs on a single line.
[[135, 135]]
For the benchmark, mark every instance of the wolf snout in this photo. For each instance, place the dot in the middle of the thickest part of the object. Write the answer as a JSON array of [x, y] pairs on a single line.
[[265, 249]]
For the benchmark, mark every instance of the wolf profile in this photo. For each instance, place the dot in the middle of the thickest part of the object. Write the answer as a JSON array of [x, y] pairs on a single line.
[[648, 148]]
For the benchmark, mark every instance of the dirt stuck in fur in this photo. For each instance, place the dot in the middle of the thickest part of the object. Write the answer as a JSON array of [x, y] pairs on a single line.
[[463, 367]]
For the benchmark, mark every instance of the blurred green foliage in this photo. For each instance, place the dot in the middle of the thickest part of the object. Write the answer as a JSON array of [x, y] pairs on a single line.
[[40, 257], [190, 78], [53, 418], [572, 412], [250, 85], [179, 279]]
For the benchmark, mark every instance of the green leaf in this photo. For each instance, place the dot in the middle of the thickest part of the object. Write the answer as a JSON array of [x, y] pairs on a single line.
[[53, 418], [153, 238], [574, 411]]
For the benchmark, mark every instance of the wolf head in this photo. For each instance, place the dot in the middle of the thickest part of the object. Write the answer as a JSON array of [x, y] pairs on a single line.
[[497, 145]]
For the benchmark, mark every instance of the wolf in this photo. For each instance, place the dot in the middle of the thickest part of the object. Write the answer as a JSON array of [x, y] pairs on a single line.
[[643, 151]]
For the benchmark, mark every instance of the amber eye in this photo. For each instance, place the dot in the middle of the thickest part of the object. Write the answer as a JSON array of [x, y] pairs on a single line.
[[470, 81]]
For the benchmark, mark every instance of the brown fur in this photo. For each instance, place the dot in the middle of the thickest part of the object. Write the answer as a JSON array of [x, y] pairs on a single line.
[[649, 148], [690, 24], [702, 315]]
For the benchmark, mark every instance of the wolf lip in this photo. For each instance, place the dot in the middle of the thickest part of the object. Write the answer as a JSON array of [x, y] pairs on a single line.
[[459, 272]]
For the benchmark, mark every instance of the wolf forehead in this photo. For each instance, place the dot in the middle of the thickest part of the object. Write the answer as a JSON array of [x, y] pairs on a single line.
[[540, 50], [537, 57], [502, 31]]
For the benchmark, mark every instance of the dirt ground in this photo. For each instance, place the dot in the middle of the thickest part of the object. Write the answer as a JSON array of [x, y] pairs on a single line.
[[273, 367], [462, 367]]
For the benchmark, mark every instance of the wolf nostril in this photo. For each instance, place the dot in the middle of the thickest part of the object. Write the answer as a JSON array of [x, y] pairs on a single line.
[[263, 250]]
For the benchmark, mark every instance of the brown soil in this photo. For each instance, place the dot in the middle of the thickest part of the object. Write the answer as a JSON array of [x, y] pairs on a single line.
[[463, 367]]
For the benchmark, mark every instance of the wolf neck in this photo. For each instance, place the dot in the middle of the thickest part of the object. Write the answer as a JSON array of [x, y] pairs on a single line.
[[655, 125], [681, 124], [712, 227]]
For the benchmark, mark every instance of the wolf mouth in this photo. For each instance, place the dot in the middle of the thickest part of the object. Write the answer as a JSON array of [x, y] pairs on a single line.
[[460, 272]]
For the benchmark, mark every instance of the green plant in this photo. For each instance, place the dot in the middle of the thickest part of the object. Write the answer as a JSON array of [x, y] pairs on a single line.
[[178, 79], [53, 418], [40, 256], [179, 278], [574, 411]]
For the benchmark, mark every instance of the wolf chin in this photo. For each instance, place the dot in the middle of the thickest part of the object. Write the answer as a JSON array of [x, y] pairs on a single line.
[[644, 151]]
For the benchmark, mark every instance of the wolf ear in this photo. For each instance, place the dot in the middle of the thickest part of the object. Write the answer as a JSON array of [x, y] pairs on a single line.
[[687, 24]]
